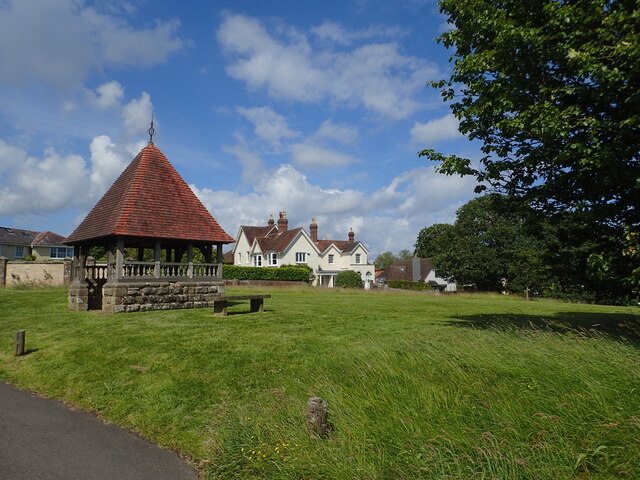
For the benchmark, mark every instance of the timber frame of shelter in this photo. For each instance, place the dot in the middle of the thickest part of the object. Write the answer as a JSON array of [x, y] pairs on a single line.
[[152, 210]]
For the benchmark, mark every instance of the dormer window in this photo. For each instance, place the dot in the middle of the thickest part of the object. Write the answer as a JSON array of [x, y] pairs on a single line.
[[357, 258], [331, 258], [301, 257]]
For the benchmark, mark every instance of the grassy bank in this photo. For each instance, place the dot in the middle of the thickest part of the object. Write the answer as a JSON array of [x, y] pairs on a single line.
[[465, 387]]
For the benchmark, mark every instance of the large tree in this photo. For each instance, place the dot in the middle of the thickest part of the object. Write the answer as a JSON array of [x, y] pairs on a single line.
[[551, 89]]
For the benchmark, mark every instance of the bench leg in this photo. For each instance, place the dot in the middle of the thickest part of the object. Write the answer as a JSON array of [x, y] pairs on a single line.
[[220, 308], [257, 305]]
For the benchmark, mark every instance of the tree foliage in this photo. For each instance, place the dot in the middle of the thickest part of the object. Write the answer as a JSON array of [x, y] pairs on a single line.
[[497, 238], [348, 279], [386, 259], [550, 88]]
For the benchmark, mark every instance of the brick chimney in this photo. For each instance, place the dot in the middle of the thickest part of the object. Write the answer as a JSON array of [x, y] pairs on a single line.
[[313, 230], [283, 223], [352, 236], [271, 222]]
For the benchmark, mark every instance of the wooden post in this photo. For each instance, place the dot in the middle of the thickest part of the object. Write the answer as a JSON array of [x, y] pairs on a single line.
[[119, 259], [190, 260], [19, 343], [317, 414], [157, 253]]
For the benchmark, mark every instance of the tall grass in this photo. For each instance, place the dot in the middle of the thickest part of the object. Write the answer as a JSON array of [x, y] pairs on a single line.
[[464, 387]]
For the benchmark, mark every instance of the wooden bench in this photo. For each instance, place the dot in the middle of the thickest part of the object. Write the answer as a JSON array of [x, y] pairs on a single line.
[[220, 303]]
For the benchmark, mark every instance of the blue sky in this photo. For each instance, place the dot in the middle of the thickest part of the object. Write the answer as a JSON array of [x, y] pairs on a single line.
[[313, 108]]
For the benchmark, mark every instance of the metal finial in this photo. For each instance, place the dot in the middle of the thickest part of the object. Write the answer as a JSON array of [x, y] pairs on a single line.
[[151, 132]]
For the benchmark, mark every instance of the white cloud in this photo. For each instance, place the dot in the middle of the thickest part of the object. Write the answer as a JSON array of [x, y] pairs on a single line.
[[309, 157], [106, 164], [438, 130], [137, 114], [336, 33], [44, 185], [109, 95], [376, 76], [59, 42], [341, 132], [55, 182], [388, 219], [269, 125]]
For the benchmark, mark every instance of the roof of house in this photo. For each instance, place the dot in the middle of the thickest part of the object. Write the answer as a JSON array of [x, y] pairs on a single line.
[[413, 270], [15, 236], [252, 232], [150, 199], [277, 242], [342, 245]]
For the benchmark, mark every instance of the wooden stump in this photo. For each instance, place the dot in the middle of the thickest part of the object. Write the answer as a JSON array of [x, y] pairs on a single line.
[[19, 343], [317, 413]]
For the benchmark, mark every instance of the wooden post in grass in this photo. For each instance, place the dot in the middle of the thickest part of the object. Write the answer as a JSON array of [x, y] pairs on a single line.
[[19, 343], [317, 413]]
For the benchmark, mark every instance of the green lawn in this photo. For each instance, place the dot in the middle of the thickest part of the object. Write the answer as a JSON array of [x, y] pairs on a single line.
[[419, 386]]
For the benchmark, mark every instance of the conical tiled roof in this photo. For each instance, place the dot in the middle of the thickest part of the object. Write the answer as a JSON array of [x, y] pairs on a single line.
[[150, 199]]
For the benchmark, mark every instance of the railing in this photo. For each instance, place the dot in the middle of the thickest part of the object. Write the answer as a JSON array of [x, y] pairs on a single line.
[[96, 272], [149, 271]]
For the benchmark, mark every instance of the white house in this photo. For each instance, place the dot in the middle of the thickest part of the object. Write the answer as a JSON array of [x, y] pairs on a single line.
[[275, 245]]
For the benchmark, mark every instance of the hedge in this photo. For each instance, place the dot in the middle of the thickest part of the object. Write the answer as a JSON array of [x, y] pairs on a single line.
[[288, 274], [407, 285], [348, 279]]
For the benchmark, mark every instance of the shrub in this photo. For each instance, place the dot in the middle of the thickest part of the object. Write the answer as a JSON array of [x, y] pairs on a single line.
[[348, 279], [30, 258], [407, 285], [289, 274]]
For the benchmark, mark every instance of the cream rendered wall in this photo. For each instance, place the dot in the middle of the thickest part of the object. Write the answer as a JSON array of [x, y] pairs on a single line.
[[302, 243], [42, 253], [9, 252], [240, 249], [339, 262]]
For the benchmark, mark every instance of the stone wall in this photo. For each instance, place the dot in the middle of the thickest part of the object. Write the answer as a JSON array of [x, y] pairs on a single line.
[[34, 274], [143, 297]]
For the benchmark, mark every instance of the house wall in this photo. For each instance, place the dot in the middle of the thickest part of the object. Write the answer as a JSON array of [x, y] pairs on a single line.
[[240, 250], [9, 251], [302, 244], [50, 274]]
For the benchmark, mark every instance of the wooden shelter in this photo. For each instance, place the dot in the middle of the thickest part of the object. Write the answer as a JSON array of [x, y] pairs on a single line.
[[151, 210]]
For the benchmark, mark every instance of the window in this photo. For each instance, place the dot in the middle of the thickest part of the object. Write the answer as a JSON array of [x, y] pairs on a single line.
[[239, 258], [61, 252], [257, 261], [301, 257], [272, 259], [19, 251], [331, 258], [357, 258], [248, 257]]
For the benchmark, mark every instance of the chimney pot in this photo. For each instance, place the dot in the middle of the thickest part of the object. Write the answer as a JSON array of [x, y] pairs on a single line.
[[283, 223]]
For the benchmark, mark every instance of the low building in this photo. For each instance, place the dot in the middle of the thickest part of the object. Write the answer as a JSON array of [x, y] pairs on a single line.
[[16, 244], [416, 270], [272, 246]]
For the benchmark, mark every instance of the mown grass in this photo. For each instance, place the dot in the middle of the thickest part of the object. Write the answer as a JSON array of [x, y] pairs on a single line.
[[419, 386]]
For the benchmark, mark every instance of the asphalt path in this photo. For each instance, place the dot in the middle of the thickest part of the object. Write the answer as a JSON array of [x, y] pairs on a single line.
[[44, 439]]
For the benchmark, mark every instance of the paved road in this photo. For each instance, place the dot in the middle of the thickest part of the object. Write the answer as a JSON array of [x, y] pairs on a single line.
[[43, 439]]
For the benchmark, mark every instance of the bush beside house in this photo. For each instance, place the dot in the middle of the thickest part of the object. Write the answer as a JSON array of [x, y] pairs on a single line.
[[348, 279]]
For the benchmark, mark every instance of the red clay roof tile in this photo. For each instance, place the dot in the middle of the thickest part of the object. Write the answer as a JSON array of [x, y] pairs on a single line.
[[150, 199]]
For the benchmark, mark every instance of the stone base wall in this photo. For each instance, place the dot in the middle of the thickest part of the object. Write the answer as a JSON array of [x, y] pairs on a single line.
[[78, 297], [143, 297]]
